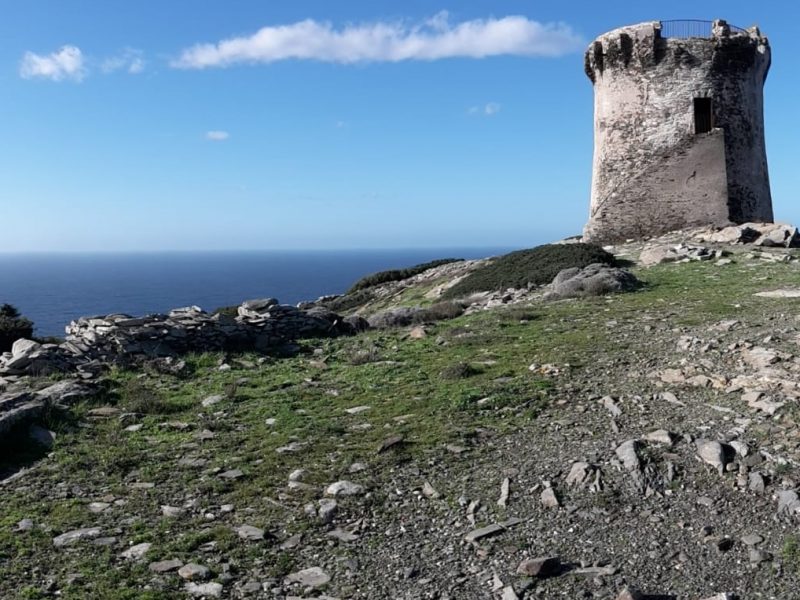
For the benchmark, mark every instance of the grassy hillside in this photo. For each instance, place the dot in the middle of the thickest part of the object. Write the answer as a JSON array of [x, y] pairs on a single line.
[[446, 407]]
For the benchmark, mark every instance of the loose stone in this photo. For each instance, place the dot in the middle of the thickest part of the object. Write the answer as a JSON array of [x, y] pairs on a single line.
[[312, 577], [165, 566], [344, 488], [136, 552], [250, 533], [193, 571], [70, 537], [204, 590], [544, 566]]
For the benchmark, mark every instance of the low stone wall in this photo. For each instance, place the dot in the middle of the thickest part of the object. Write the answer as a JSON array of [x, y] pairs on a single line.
[[93, 341]]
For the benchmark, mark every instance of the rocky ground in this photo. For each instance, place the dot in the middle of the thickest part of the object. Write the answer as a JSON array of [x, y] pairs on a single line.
[[639, 445]]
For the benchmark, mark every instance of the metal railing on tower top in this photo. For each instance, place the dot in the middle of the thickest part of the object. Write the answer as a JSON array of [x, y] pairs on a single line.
[[691, 28]]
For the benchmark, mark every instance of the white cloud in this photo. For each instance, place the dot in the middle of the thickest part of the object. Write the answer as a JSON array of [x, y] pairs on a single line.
[[131, 61], [491, 108], [66, 63], [488, 109], [433, 39], [217, 136]]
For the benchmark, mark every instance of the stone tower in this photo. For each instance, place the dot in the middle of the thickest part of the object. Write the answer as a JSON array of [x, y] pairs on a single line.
[[678, 128]]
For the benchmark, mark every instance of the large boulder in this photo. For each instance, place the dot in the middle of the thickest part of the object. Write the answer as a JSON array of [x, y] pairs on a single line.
[[760, 234], [665, 253], [594, 280]]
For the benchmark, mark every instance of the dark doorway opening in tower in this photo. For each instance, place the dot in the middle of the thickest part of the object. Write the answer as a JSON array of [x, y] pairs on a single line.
[[702, 115]]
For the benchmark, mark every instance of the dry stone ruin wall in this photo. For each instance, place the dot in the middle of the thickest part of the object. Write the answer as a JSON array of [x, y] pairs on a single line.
[[653, 172], [95, 342]]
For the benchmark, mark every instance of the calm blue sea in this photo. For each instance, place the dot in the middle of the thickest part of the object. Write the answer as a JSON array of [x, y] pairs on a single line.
[[53, 289]]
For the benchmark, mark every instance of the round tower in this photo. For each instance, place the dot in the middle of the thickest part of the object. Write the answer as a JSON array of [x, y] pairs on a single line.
[[678, 128]]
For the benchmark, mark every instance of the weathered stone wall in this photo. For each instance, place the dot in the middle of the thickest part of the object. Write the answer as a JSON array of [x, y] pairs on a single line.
[[689, 188], [645, 88], [97, 341]]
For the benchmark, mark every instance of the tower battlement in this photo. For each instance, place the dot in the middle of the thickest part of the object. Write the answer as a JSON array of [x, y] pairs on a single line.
[[678, 124]]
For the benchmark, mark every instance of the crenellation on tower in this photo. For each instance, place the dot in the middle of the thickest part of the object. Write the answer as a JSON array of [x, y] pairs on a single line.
[[679, 133]]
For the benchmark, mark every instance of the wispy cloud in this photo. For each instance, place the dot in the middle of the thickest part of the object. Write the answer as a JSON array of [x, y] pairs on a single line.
[[217, 136], [433, 39], [67, 63], [488, 109], [130, 60]]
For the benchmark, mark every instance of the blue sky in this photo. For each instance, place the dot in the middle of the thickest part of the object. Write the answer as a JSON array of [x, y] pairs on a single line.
[[135, 126]]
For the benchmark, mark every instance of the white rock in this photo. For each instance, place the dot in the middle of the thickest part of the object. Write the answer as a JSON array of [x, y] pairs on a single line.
[[784, 293], [98, 507], [25, 525], [659, 436], [297, 475], [136, 552], [194, 571], [611, 406], [70, 537], [211, 400], [759, 357], [23, 347], [579, 474], [327, 510], [766, 405], [549, 499], [429, 491], [344, 488], [627, 452], [788, 503], [312, 577], [250, 533], [204, 590], [171, 511], [712, 453], [505, 489]]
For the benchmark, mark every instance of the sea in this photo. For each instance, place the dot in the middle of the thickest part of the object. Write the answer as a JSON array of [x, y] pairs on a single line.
[[54, 289]]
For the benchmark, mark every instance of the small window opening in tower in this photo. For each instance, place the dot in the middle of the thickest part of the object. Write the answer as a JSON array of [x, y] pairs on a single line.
[[702, 115]]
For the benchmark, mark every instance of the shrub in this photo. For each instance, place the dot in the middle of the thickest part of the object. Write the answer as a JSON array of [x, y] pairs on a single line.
[[459, 370], [394, 317], [13, 326], [364, 355], [441, 311], [228, 311], [8, 310], [398, 274], [537, 266], [141, 399]]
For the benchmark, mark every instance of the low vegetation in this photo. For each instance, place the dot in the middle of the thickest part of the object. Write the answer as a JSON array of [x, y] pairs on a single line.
[[454, 398], [349, 301], [13, 326], [398, 274], [537, 266]]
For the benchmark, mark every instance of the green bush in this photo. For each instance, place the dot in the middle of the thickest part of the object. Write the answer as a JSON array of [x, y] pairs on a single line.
[[228, 311], [398, 274], [441, 311], [13, 326], [537, 266], [459, 370]]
